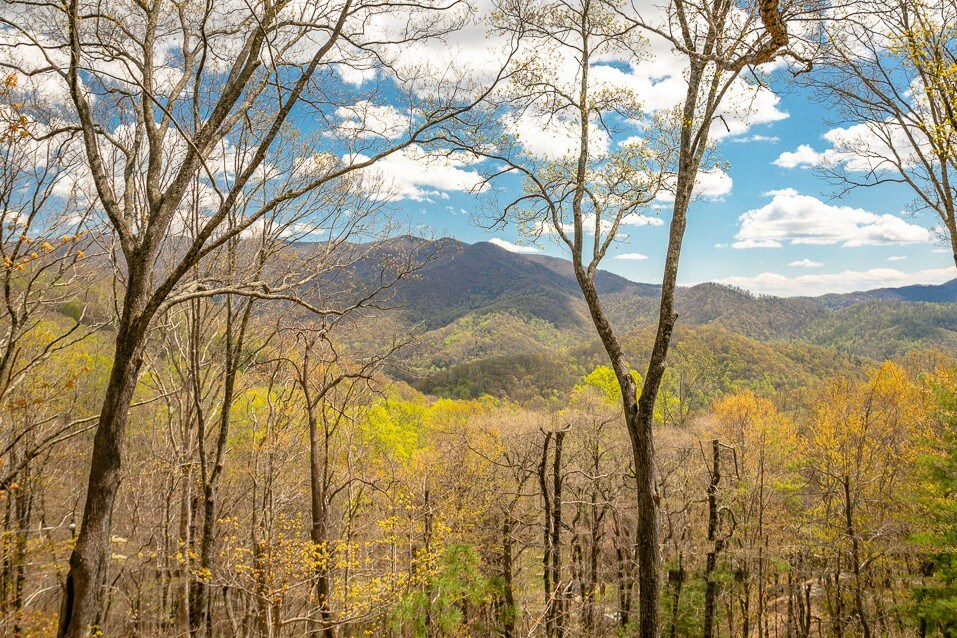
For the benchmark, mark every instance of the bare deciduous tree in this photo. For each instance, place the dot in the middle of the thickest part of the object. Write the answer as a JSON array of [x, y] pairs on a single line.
[[171, 97], [887, 69]]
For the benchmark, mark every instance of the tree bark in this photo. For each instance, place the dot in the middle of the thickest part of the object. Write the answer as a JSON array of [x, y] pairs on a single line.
[[508, 593], [855, 559], [319, 530], [89, 562], [711, 586]]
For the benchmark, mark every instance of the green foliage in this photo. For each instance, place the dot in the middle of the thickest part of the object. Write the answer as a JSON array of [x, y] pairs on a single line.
[[394, 427], [882, 329], [935, 602], [687, 620], [603, 380], [522, 377], [440, 608]]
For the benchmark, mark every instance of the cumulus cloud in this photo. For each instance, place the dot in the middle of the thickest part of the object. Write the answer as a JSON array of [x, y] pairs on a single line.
[[513, 248], [746, 105], [806, 263], [802, 157], [554, 137], [847, 281], [801, 219], [631, 257], [413, 174], [637, 219], [660, 83], [367, 120], [861, 148], [711, 184]]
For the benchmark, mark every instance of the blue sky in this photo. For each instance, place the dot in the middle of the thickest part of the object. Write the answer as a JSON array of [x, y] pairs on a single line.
[[770, 225], [858, 255]]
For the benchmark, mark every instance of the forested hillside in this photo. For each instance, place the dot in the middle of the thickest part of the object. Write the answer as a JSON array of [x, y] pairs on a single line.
[[531, 409], [487, 318]]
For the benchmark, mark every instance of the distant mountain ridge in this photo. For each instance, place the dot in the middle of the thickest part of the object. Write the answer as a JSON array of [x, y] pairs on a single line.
[[941, 293], [474, 301], [484, 267]]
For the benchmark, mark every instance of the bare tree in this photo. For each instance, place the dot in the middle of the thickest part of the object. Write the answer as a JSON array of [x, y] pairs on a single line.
[[169, 97], [887, 69], [329, 384], [43, 244], [585, 190]]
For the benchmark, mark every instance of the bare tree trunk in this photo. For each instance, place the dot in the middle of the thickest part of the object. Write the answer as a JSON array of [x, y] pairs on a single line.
[[319, 531], [855, 560], [639, 419], [508, 593], [89, 562], [200, 610], [559, 602], [715, 545], [677, 579], [623, 578], [549, 585]]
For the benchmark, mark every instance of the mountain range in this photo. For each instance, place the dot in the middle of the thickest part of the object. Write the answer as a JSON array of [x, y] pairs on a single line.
[[475, 303]]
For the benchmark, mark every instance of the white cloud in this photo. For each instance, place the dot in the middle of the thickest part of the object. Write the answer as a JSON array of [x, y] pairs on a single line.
[[631, 257], [803, 156], [513, 248], [554, 137], [770, 139], [711, 184], [847, 281], [806, 263], [413, 174], [802, 219], [365, 119], [659, 82], [861, 148], [637, 219], [355, 75], [745, 105], [896, 258]]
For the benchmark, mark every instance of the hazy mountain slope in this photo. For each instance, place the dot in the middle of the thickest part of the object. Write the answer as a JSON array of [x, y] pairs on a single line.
[[475, 301], [943, 293], [465, 278]]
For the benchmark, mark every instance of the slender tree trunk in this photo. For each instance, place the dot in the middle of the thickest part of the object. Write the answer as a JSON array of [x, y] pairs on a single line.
[[319, 531], [182, 576], [715, 545], [649, 555], [639, 421], [590, 595], [855, 560], [201, 610], [508, 593], [546, 534], [623, 562], [83, 596], [677, 579], [23, 507], [557, 482]]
